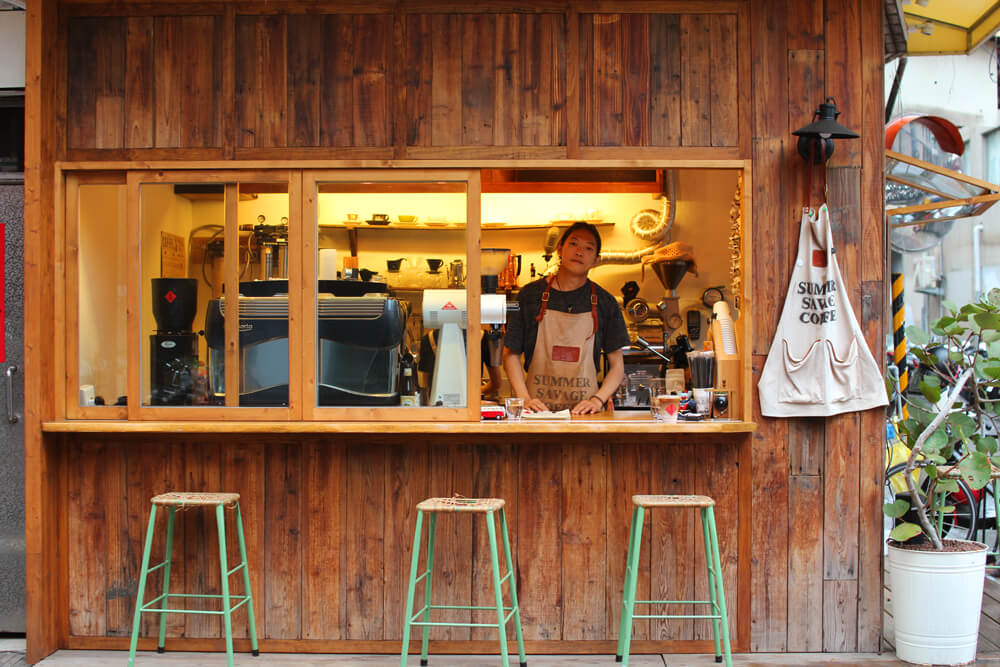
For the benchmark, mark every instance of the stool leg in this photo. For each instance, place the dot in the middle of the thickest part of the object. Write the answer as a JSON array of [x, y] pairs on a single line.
[[142, 585], [166, 579], [495, 561], [220, 519], [631, 577], [426, 630], [513, 589], [711, 581], [408, 611], [246, 582], [720, 592], [625, 586]]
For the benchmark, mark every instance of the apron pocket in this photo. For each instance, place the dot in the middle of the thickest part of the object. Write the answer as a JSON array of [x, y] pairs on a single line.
[[819, 377]]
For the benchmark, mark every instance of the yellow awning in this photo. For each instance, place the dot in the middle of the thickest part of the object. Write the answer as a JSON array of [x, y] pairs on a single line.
[[947, 27]]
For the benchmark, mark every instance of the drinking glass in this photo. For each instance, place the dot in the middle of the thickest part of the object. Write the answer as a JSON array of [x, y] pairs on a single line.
[[514, 406], [662, 405], [702, 400]]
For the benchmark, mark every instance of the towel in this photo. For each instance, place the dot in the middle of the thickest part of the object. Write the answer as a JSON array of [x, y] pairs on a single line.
[[562, 414]]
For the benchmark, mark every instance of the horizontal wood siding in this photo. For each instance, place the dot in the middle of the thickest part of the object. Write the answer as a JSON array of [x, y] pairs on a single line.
[[329, 527]]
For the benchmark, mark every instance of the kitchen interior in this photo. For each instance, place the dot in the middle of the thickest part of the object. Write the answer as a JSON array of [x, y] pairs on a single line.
[[392, 267]]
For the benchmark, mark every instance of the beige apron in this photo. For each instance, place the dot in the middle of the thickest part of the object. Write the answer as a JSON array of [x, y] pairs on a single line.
[[819, 364], [562, 372]]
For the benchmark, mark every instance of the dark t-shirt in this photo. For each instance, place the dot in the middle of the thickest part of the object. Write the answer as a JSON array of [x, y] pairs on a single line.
[[522, 328]]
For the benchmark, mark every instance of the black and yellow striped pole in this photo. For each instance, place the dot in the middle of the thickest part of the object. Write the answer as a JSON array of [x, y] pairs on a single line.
[[899, 332]]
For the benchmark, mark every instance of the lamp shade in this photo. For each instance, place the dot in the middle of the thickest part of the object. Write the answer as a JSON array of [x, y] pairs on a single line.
[[824, 128]]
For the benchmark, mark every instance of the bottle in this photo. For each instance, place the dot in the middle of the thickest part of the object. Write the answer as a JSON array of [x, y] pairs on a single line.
[[409, 392], [532, 270]]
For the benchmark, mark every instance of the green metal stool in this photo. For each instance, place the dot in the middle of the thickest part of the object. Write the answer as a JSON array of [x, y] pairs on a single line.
[[718, 597], [487, 506], [173, 501]]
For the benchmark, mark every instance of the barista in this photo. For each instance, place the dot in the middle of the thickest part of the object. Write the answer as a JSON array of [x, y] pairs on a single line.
[[564, 324]]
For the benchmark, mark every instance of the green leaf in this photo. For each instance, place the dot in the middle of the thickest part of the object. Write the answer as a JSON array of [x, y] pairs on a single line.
[[904, 532], [935, 442], [986, 444], [942, 324], [955, 357], [917, 336], [993, 297], [950, 306], [975, 469], [990, 335], [931, 393], [896, 509], [946, 509], [963, 425], [987, 320], [991, 369], [948, 485]]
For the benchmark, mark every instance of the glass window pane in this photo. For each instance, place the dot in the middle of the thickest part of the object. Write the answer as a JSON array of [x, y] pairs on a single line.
[[101, 281], [184, 298], [262, 214], [181, 252], [391, 294]]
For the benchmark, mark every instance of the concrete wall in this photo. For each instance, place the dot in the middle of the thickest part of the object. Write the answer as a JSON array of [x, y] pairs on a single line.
[[12, 49]]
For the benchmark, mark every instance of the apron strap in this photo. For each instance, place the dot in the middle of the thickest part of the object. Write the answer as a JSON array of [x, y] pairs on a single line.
[[545, 298], [593, 302]]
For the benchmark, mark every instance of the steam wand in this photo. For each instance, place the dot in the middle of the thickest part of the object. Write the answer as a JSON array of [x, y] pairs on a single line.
[[645, 343]]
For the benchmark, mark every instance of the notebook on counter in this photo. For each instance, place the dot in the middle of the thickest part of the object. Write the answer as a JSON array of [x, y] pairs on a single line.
[[562, 414]]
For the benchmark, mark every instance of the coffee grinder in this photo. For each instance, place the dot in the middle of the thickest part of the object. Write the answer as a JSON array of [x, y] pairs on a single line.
[[173, 348], [670, 272]]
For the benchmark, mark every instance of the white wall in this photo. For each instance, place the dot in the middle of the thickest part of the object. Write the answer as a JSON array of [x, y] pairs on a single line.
[[962, 89], [12, 49]]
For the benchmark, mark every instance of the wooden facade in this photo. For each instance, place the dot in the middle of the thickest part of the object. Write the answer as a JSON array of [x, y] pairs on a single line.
[[131, 85]]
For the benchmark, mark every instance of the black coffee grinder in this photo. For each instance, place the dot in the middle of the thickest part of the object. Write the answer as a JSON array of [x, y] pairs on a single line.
[[173, 349]]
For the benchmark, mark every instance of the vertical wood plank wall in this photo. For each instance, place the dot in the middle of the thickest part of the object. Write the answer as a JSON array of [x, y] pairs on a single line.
[[379, 80]]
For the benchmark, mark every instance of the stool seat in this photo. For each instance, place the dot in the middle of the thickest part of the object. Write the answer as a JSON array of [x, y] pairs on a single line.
[[192, 498], [672, 501], [459, 504]]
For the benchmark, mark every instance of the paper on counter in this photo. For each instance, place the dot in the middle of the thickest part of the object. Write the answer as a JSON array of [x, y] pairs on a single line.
[[562, 414]]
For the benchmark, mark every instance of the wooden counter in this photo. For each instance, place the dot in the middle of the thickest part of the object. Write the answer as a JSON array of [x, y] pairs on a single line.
[[638, 422]]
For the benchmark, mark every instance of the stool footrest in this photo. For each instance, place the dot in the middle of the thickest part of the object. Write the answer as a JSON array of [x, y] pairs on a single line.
[[679, 616], [155, 567], [147, 608], [236, 569], [427, 608], [674, 602]]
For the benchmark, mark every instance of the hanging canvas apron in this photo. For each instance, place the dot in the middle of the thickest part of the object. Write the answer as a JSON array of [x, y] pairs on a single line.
[[819, 363], [562, 372]]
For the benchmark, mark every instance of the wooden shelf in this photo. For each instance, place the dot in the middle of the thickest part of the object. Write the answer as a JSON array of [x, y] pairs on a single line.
[[486, 226]]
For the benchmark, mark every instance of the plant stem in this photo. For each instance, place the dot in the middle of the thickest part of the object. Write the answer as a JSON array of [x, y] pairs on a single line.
[[918, 446]]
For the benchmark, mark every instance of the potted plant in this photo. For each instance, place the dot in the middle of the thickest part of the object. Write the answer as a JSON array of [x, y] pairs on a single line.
[[937, 583]]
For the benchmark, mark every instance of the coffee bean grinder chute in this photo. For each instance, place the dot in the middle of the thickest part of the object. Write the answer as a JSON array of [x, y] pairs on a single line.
[[173, 348]]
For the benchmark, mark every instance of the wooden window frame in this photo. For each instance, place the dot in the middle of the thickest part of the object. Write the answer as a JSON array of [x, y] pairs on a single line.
[[311, 181], [302, 182]]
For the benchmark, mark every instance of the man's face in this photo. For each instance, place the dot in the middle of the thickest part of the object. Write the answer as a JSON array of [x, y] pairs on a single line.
[[579, 252]]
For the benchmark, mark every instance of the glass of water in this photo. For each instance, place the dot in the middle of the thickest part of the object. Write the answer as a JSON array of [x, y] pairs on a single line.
[[514, 406]]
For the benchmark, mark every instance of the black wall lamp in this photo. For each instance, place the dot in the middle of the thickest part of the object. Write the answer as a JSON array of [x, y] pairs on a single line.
[[816, 138]]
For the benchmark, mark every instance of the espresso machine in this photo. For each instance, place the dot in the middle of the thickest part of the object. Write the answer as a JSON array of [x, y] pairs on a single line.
[[173, 348]]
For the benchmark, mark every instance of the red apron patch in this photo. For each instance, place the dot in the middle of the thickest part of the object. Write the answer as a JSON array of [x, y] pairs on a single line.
[[565, 353], [819, 259]]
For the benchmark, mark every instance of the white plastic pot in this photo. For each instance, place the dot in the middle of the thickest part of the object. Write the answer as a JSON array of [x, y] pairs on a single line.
[[936, 601]]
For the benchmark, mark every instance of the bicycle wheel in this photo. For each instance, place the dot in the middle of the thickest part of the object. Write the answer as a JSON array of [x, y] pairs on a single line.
[[958, 525]]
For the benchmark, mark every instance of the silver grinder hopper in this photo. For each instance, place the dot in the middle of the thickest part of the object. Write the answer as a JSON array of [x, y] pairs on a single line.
[[670, 272]]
